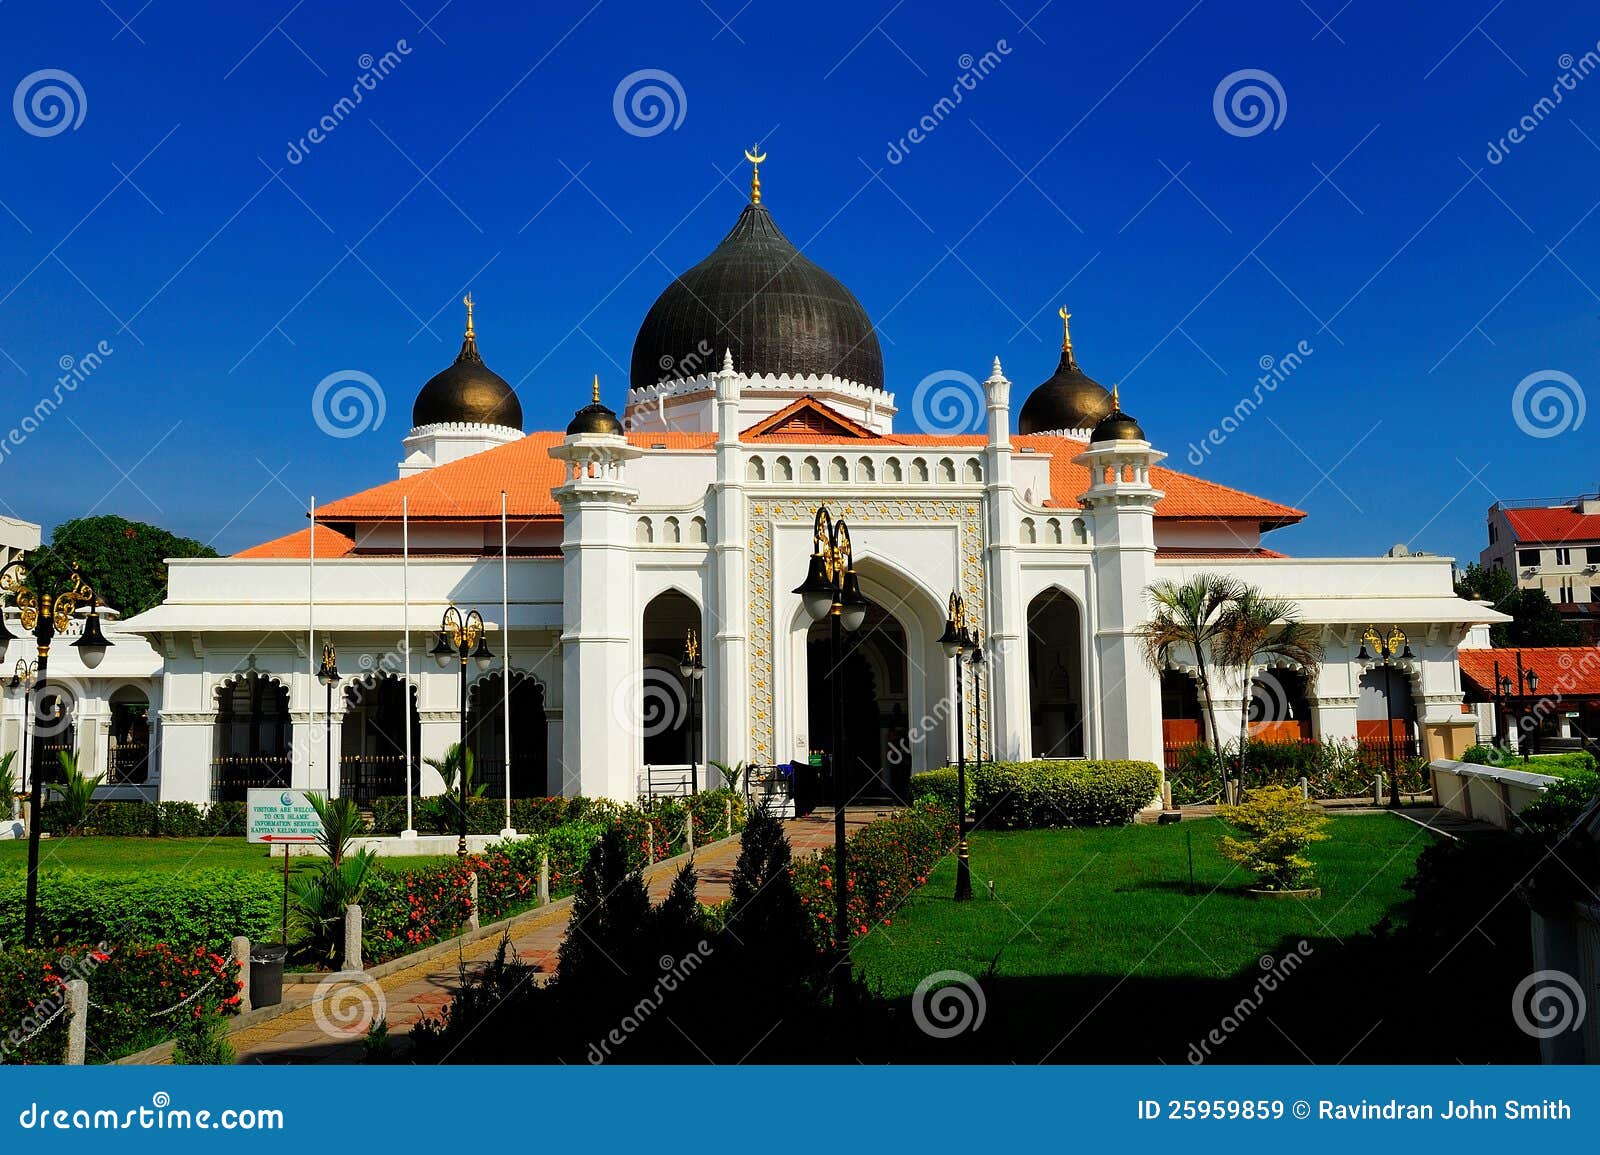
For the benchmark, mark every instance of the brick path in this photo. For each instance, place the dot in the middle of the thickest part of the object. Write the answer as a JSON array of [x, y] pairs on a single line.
[[423, 989]]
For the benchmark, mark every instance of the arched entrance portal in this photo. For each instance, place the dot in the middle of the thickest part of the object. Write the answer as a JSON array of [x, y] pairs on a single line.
[[1055, 676], [130, 738], [252, 736], [1386, 712], [55, 732], [875, 669], [486, 736], [670, 724], [372, 739]]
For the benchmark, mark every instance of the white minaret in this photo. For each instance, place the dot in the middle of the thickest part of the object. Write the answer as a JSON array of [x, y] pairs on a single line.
[[1121, 504], [599, 750], [1008, 649], [727, 695]]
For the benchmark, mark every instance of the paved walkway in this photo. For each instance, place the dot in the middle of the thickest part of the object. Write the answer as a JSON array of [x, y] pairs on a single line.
[[423, 989]]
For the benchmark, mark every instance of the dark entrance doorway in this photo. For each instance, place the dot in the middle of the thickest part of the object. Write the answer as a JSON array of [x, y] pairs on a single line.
[[875, 670], [372, 739], [486, 736]]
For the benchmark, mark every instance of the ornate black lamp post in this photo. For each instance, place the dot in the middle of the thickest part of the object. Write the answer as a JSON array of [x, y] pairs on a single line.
[[22, 678], [1527, 686], [693, 671], [44, 615], [461, 638], [956, 641], [1388, 650], [831, 590], [976, 662], [328, 675]]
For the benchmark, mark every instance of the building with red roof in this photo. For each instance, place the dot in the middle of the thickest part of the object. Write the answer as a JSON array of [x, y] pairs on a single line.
[[1554, 547], [607, 559]]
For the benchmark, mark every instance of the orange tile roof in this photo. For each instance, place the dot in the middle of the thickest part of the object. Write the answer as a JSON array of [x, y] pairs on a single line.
[[805, 419], [330, 543], [469, 489], [1553, 526], [1564, 671]]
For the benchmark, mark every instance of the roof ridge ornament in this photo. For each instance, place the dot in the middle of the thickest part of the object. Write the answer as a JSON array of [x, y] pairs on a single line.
[[755, 156]]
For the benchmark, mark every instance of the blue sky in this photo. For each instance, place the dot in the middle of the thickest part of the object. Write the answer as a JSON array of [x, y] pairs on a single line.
[[1088, 166]]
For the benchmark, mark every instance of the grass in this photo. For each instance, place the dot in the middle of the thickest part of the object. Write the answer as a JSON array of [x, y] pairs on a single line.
[[1116, 902], [106, 855]]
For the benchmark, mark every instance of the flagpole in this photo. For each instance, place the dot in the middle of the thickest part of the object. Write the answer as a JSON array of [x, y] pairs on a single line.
[[311, 642], [405, 640], [505, 651]]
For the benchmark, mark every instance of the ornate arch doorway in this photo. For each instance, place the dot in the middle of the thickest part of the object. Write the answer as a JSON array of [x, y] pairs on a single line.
[[529, 764], [669, 711], [876, 672], [372, 738], [1055, 676]]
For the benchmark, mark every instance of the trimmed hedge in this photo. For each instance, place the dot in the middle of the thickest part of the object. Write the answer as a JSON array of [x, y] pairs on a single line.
[[1336, 769], [152, 819], [201, 907], [887, 860], [1029, 795]]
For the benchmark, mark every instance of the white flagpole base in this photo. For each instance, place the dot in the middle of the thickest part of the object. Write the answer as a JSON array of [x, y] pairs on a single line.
[[408, 834]]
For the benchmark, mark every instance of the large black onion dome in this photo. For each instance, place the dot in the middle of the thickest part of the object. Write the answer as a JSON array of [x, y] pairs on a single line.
[[761, 297], [1116, 425], [1068, 399], [468, 392]]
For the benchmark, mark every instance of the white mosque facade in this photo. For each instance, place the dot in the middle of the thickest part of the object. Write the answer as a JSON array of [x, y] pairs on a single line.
[[757, 396]]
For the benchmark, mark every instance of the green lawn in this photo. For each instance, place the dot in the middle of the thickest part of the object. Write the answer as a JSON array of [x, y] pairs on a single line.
[[1116, 902], [140, 855]]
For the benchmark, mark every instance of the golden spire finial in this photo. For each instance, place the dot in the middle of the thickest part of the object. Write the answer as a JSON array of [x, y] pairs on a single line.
[[596, 398], [1066, 333], [467, 301], [755, 156], [1116, 399]]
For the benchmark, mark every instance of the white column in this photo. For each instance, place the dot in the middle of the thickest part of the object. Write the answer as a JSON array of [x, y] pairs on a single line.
[[726, 626], [1121, 503], [1008, 613]]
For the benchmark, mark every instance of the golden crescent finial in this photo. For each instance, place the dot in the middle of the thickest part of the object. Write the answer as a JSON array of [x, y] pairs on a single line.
[[467, 301], [1066, 333], [755, 156]]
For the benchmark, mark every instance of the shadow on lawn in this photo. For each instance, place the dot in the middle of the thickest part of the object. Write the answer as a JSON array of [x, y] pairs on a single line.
[[1432, 986]]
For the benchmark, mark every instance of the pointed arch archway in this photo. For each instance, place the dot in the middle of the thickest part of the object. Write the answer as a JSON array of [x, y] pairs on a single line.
[[669, 722], [252, 736], [372, 738], [529, 763], [1057, 701]]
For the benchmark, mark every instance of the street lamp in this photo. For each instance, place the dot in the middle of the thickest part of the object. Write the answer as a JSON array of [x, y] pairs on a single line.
[[328, 675], [976, 661], [692, 670], [22, 678], [461, 638], [1388, 650], [957, 641], [831, 590], [44, 615]]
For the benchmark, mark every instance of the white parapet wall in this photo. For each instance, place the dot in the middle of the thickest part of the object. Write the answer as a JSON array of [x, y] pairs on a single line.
[[1490, 794]]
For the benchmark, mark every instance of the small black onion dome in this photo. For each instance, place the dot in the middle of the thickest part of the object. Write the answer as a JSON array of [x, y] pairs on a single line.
[[1116, 425], [761, 297], [468, 392], [1068, 399], [594, 418]]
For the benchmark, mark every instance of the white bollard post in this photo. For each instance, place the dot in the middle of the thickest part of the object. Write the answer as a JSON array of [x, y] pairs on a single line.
[[649, 843], [727, 810], [1377, 789], [352, 938], [688, 832], [1305, 790], [544, 879], [472, 901], [77, 1022], [241, 959]]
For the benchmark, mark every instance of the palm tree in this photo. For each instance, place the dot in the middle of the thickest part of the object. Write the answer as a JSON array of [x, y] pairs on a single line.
[[1256, 629], [450, 765], [1189, 617], [76, 791]]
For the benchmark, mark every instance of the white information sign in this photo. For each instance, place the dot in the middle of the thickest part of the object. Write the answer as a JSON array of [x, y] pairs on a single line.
[[282, 817]]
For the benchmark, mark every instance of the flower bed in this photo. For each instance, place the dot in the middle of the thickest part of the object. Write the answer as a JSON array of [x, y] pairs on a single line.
[[138, 997], [886, 861]]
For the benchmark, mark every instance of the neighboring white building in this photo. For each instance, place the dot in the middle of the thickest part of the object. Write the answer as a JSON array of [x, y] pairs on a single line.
[[757, 394], [1554, 547]]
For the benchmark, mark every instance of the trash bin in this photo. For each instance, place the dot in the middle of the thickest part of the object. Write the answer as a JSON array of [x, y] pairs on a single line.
[[266, 974]]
